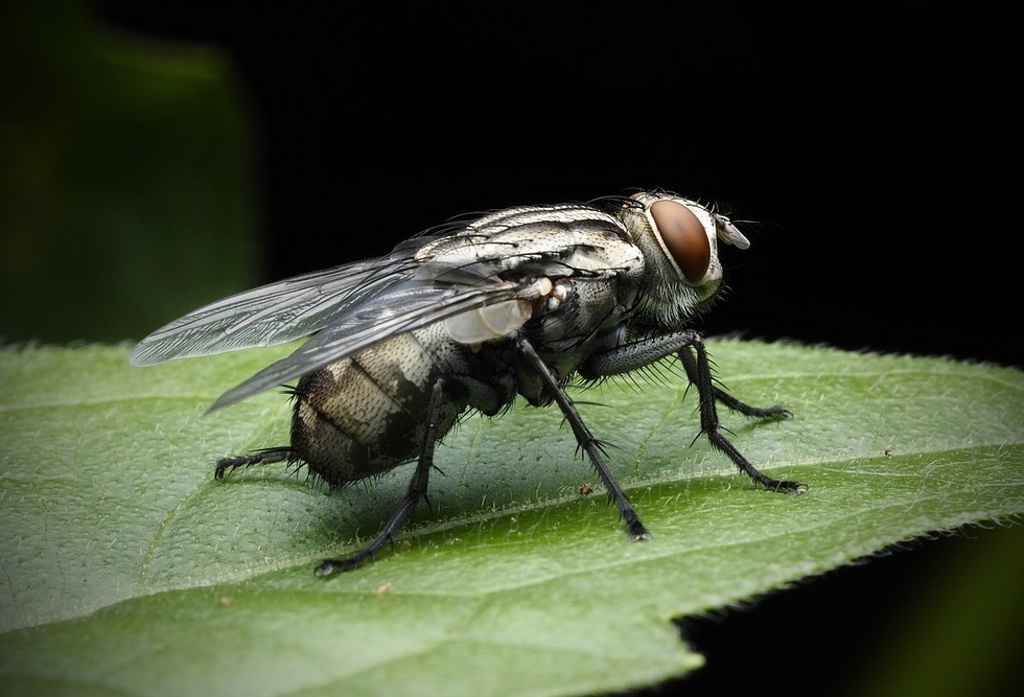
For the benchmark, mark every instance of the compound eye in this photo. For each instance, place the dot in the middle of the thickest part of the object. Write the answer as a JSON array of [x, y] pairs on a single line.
[[684, 237]]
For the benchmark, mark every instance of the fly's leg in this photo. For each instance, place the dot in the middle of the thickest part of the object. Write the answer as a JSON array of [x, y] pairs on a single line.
[[417, 490], [260, 457], [689, 346], [776, 411], [709, 394], [585, 438]]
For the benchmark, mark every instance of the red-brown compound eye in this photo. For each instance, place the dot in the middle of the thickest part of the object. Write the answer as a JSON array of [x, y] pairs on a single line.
[[684, 237]]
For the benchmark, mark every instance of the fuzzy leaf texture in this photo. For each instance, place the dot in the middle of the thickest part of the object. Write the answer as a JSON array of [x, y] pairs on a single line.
[[126, 569]]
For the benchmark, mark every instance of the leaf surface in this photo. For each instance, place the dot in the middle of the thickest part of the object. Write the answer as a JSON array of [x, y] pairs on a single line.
[[127, 569]]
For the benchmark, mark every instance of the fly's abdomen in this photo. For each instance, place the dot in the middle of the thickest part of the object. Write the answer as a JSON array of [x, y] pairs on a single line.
[[367, 414]]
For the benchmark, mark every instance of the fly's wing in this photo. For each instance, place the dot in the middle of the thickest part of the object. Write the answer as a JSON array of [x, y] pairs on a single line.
[[490, 265], [408, 306], [271, 314]]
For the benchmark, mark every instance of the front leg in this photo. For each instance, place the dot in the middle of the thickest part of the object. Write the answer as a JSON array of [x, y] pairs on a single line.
[[689, 346], [776, 411]]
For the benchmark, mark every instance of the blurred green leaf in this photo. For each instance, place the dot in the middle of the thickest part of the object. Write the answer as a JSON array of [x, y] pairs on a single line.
[[124, 172], [128, 569]]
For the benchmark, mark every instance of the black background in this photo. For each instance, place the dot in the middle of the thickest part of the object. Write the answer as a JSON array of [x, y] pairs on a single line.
[[867, 139], [870, 140]]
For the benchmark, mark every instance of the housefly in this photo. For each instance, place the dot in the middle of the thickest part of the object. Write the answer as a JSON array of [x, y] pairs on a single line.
[[464, 318]]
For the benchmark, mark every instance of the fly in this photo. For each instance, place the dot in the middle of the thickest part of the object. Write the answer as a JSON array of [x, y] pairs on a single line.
[[466, 317]]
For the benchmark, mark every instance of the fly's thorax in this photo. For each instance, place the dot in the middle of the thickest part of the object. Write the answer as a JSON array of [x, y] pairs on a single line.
[[679, 240], [364, 415], [531, 241], [589, 307]]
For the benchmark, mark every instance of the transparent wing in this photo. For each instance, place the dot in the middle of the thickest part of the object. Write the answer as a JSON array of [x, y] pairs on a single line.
[[491, 263], [271, 314], [410, 305]]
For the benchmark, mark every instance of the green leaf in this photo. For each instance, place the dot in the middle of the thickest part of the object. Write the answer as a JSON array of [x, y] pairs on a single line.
[[127, 569]]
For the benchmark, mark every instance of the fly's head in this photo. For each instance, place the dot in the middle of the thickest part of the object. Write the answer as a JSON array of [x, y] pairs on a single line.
[[679, 240]]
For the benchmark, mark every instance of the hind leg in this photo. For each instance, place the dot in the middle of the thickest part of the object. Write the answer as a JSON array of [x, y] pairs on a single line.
[[416, 492], [260, 457]]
